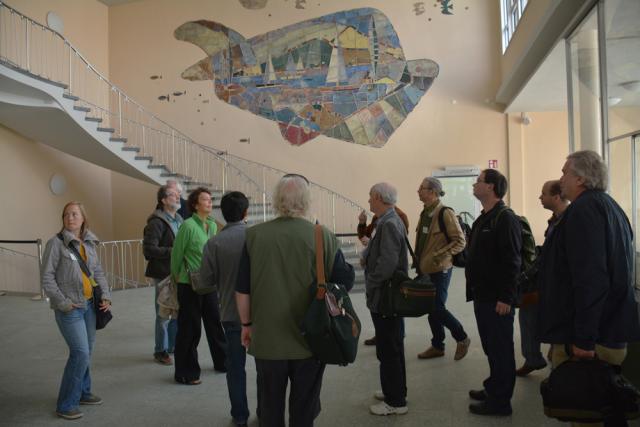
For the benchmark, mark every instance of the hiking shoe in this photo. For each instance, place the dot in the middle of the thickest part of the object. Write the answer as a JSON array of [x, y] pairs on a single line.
[[378, 395], [431, 353], [72, 414], [462, 349], [162, 358], [479, 395], [91, 399], [383, 408]]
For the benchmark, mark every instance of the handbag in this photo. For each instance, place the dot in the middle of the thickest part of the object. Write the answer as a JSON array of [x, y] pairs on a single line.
[[167, 299], [406, 297], [588, 391], [102, 317], [197, 284], [330, 326]]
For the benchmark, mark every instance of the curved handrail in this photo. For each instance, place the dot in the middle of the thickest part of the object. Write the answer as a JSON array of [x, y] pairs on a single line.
[[167, 146]]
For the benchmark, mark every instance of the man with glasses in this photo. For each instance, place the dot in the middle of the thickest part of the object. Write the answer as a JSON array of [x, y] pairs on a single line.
[[493, 265], [435, 247], [159, 234]]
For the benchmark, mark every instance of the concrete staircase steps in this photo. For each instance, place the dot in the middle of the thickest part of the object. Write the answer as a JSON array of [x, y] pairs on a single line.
[[108, 130], [149, 158], [93, 119], [134, 149], [118, 139], [81, 108], [70, 96]]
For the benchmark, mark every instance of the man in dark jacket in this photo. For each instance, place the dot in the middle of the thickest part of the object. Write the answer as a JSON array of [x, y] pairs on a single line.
[[587, 303], [159, 233], [491, 271]]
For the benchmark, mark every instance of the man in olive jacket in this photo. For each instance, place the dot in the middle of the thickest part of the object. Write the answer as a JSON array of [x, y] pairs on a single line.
[[586, 278]]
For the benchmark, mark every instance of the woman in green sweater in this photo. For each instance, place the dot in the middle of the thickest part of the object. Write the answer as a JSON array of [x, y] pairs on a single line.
[[186, 255]]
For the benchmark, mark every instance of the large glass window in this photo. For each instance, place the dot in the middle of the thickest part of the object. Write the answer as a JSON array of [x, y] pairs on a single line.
[[584, 85], [512, 10], [622, 47]]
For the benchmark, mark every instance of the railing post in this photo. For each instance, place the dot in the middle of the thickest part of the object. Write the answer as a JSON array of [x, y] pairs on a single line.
[[39, 248], [173, 144], [120, 113], [144, 152], [27, 27], [264, 196], [333, 210], [70, 66]]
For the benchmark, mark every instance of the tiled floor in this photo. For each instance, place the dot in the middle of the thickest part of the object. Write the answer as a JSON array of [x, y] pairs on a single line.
[[139, 392]]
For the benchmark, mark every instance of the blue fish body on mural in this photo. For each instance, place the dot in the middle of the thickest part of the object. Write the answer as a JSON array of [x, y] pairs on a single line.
[[342, 75]]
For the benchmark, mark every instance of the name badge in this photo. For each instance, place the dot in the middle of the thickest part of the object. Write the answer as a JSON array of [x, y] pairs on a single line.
[[425, 230], [72, 256]]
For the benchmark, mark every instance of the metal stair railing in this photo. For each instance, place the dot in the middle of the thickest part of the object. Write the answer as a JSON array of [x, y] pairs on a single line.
[[42, 52]]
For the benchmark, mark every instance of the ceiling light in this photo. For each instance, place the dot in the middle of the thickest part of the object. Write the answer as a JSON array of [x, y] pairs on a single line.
[[614, 100], [633, 86]]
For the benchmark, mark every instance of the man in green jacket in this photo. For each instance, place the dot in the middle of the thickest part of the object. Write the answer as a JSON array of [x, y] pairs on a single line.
[[276, 278]]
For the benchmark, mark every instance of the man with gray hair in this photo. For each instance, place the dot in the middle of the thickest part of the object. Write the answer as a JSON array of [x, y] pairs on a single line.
[[273, 292], [385, 254], [587, 304]]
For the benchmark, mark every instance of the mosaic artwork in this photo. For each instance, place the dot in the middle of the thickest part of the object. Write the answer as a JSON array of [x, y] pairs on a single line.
[[342, 75], [253, 4]]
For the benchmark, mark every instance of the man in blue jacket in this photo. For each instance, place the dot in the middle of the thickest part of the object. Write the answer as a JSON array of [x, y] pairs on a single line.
[[587, 304]]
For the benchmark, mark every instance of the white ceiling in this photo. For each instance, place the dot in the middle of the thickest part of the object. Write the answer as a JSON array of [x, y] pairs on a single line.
[[116, 2]]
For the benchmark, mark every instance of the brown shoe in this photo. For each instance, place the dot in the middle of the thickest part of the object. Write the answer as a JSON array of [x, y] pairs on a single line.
[[162, 358], [431, 353], [462, 349], [370, 341], [525, 370]]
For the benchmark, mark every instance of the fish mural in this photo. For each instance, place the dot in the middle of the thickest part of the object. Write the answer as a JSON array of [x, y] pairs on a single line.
[[342, 75]]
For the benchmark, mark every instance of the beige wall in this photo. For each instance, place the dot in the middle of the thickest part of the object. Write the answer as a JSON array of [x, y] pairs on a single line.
[[33, 210], [27, 166], [452, 124], [545, 147]]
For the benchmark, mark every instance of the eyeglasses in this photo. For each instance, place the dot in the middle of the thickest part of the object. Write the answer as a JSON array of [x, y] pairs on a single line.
[[295, 175]]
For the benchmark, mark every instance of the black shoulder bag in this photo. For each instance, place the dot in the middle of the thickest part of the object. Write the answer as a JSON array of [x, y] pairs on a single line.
[[406, 297], [102, 317]]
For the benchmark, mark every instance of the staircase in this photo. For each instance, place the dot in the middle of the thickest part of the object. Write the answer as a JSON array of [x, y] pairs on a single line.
[[51, 94]]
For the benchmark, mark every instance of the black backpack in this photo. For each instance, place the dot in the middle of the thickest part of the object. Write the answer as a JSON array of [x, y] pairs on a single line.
[[526, 283], [459, 259]]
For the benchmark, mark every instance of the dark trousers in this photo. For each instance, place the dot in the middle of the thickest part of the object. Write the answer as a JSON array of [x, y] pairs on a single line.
[[305, 376], [530, 346], [390, 353], [496, 334], [236, 374], [195, 309], [441, 317]]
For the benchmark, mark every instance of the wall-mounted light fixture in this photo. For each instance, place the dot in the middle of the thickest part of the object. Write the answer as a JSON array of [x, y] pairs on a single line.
[[526, 120], [246, 140], [614, 100], [58, 184]]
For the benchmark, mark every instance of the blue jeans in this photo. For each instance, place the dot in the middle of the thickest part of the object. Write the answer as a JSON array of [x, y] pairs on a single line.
[[165, 329], [530, 346], [441, 317], [236, 375], [78, 327]]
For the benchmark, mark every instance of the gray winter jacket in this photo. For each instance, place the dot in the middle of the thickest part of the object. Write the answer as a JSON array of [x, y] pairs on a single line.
[[61, 273]]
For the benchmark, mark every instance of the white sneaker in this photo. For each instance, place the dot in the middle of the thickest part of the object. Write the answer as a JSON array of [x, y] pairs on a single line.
[[383, 409], [378, 395]]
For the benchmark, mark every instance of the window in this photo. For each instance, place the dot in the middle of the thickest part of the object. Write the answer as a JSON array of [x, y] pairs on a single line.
[[511, 12]]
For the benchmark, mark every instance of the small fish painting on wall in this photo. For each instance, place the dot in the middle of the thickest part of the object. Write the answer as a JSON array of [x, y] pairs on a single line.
[[342, 75]]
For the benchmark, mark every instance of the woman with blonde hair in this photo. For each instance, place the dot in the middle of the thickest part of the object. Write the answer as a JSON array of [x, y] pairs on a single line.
[[70, 292]]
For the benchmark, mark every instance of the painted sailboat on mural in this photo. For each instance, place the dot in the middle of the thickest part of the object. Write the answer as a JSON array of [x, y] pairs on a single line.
[[342, 75]]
